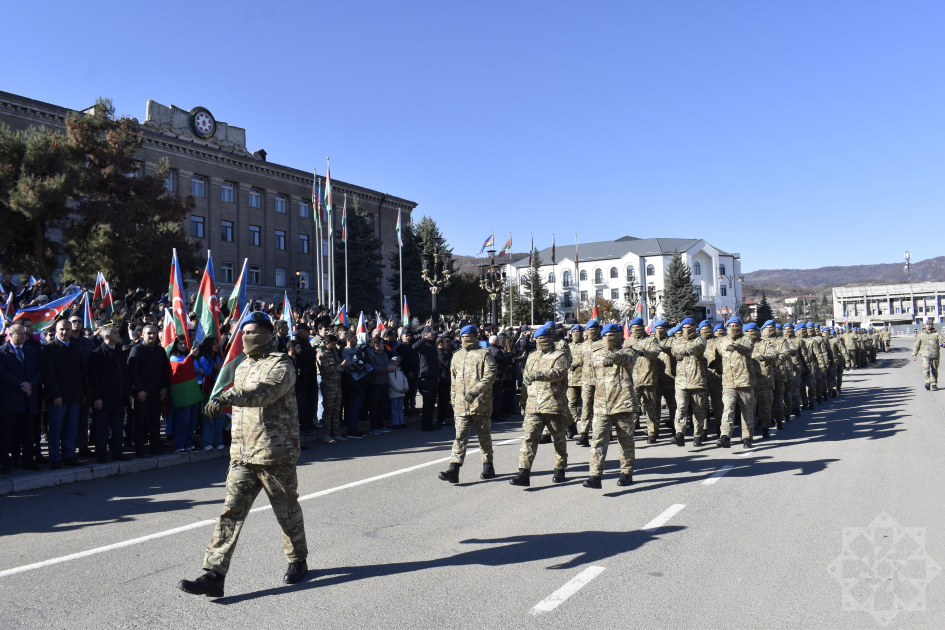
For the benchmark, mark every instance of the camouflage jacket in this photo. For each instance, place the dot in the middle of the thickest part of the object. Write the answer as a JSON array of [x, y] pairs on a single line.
[[669, 361], [828, 351], [587, 350], [613, 378], [646, 370], [565, 347], [472, 372], [712, 360], [816, 353], [737, 369], [548, 391], [764, 361], [927, 345], [577, 361], [794, 350], [690, 368], [885, 335], [839, 352], [265, 425], [850, 343], [329, 366], [783, 363]]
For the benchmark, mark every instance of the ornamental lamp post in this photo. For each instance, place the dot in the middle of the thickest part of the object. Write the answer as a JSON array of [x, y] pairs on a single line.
[[491, 279], [436, 273]]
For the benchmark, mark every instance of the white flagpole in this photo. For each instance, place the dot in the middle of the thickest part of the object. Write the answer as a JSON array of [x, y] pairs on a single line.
[[554, 285], [511, 311], [532, 284], [400, 265], [331, 246], [577, 279], [316, 202], [344, 213]]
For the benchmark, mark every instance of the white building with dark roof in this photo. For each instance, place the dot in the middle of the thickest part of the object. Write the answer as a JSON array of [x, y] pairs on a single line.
[[629, 268]]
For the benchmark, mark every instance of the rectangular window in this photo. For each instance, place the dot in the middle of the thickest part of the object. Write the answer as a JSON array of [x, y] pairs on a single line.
[[583, 295], [280, 277], [303, 209], [254, 235], [699, 292], [196, 227], [723, 291], [169, 181], [226, 192], [280, 204], [196, 186], [255, 275], [615, 294], [226, 230], [599, 293], [253, 198], [303, 243], [280, 239], [303, 280], [227, 272]]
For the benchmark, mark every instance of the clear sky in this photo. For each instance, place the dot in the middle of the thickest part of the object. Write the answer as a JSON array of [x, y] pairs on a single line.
[[799, 134]]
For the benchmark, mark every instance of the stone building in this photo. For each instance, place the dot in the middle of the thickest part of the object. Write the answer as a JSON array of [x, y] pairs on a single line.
[[246, 206], [918, 303]]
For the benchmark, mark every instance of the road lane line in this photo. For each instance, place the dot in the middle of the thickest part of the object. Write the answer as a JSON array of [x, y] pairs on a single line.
[[198, 524], [721, 472], [663, 518], [570, 588]]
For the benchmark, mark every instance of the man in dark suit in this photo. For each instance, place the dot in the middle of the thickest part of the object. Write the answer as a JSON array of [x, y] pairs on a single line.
[[34, 436], [429, 377], [149, 372], [86, 346], [108, 383], [63, 381], [19, 391], [306, 383]]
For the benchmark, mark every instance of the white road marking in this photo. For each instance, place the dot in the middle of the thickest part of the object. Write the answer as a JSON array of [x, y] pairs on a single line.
[[570, 588], [198, 524], [721, 472], [663, 518]]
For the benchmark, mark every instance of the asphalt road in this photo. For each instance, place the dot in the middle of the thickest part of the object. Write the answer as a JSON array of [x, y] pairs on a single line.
[[692, 544]]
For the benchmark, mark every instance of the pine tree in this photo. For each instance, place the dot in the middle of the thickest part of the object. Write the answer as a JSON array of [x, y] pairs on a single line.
[[424, 236], [544, 299], [764, 312], [520, 305], [365, 263], [680, 299], [472, 301]]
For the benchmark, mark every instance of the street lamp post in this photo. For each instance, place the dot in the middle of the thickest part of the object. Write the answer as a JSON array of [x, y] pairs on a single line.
[[731, 285], [491, 279], [436, 272], [298, 283]]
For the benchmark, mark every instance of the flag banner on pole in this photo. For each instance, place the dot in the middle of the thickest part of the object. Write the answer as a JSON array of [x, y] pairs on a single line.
[[362, 330], [507, 247], [594, 312], [626, 328], [531, 249], [87, 321], [638, 310], [489, 243], [207, 307], [397, 228], [553, 260], [344, 219], [8, 309], [577, 259], [327, 206], [380, 322], [44, 315], [341, 319], [168, 332], [288, 315], [238, 300], [175, 293], [107, 302], [316, 199], [99, 281], [406, 321], [234, 357]]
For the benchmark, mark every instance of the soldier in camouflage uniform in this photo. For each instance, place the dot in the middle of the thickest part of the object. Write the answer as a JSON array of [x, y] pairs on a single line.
[[840, 355], [769, 333], [688, 350], [330, 368], [544, 404], [928, 346], [473, 372], [764, 357], [738, 382], [791, 346], [574, 378], [615, 404], [713, 374], [587, 383], [823, 385], [849, 343], [830, 379], [666, 388], [265, 447], [885, 338], [811, 367], [646, 374]]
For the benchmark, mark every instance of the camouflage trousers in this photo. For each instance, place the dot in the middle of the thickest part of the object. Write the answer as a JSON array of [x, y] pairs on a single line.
[[809, 387], [574, 401], [796, 398], [715, 397], [831, 378], [483, 426], [840, 369], [787, 399], [930, 370], [697, 398], [667, 391], [587, 412], [764, 398], [331, 399], [822, 390], [745, 398], [243, 483], [777, 403], [623, 423], [650, 403], [533, 425]]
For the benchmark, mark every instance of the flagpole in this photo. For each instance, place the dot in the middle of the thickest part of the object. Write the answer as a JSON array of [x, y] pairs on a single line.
[[316, 208], [577, 280], [532, 288], [345, 237], [331, 241], [554, 286], [400, 266], [511, 311]]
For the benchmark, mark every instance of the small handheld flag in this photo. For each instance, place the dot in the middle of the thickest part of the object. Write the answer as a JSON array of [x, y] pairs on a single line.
[[341, 319], [175, 293], [234, 357], [87, 321], [288, 315], [594, 312], [406, 321], [206, 308], [45, 315], [238, 300], [362, 330]]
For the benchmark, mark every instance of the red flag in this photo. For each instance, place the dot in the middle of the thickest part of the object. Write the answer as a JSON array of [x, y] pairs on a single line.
[[175, 292], [99, 286], [594, 312], [406, 321]]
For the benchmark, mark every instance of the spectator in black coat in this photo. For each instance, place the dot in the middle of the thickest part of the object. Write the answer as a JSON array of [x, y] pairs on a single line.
[[35, 425], [19, 390], [428, 377], [306, 383], [63, 382], [86, 346], [108, 384], [149, 372], [445, 358], [410, 364]]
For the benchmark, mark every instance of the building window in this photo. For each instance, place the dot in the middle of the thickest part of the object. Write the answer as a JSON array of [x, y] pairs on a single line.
[[650, 270], [598, 276], [631, 274], [599, 294], [280, 277], [566, 279], [696, 269], [226, 192], [280, 204], [280, 239], [303, 209], [583, 295], [253, 198], [196, 227], [584, 274], [721, 270], [226, 230], [303, 243], [227, 272], [614, 273], [699, 290], [169, 181], [566, 301], [551, 277], [723, 291], [254, 235], [615, 294], [196, 186], [303, 280], [255, 275]]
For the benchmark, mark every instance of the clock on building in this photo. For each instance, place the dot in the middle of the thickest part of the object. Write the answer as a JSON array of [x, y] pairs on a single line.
[[202, 122]]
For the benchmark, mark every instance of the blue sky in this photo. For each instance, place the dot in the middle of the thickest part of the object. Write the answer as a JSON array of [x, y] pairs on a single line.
[[799, 134]]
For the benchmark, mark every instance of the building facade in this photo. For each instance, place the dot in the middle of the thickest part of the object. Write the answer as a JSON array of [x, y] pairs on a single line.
[[630, 269], [894, 304], [247, 208]]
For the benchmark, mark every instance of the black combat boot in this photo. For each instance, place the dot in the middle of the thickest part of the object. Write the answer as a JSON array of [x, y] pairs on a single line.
[[559, 476], [833, 393], [679, 439], [571, 432], [488, 471], [765, 433], [209, 584], [746, 442], [651, 439], [724, 442], [295, 572], [592, 482], [545, 438], [927, 386], [523, 478], [451, 474], [697, 440], [625, 480], [583, 440], [780, 425]]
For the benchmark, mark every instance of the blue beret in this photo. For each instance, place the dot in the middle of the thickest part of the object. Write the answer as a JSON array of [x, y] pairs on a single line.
[[705, 323], [592, 324], [733, 320], [688, 321], [544, 330], [469, 330], [636, 321], [777, 326], [256, 317], [750, 326], [550, 323], [577, 327], [789, 325], [717, 327], [610, 328], [659, 322], [770, 322]]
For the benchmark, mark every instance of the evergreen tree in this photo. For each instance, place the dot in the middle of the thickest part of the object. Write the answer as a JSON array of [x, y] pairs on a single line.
[[365, 263], [764, 312], [472, 301], [521, 307], [680, 299], [419, 238], [532, 284]]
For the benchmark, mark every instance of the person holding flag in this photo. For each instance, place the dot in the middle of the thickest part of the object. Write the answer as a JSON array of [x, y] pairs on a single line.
[[207, 307]]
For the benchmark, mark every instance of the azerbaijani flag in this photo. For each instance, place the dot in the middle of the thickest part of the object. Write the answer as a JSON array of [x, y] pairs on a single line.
[[507, 247], [362, 330], [638, 310], [44, 315], [175, 293], [594, 312], [238, 299], [626, 328], [341, 319], [107, 297], [185, 390], [99, 286], [317, 200], [206, 308], [8, 309], [288, 315], [553, 261], [531, 249], [168, 332], [234, 357], [397, 228], [344, 219], [406, 321], [327, 207], [87, 321], [490, 242]]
